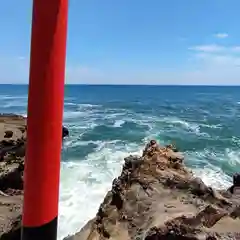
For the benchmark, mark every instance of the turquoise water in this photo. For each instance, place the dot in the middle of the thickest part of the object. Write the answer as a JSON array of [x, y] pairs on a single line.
[[107, 123]]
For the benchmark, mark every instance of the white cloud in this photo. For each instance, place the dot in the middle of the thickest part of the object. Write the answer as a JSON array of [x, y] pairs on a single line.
[[221, 35], [215, 48], [208, 48], [218, 63]]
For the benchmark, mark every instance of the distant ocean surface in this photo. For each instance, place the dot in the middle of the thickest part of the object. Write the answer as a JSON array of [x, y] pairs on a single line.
[[107, 123]]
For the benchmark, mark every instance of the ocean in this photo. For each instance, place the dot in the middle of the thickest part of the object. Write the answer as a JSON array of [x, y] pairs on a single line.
[[107, 123]]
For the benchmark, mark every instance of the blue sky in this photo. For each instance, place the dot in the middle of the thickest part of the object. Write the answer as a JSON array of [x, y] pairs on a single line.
[[133, 41]]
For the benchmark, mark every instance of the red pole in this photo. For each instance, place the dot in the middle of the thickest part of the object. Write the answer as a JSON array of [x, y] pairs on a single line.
[[44, 122]]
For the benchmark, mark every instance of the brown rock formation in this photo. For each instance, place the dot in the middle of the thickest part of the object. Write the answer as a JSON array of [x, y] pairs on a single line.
[[156, 197], [12, 152]]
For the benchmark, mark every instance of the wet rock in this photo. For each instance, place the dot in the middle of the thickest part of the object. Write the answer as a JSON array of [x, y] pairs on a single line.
[[117, 198], [198, 187], [236, 180], [236, 184], [65, 132], [236, 213], [132, 162]]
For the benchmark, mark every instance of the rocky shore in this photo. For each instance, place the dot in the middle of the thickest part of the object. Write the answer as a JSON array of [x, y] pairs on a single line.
[[155, 197], [12, 153]]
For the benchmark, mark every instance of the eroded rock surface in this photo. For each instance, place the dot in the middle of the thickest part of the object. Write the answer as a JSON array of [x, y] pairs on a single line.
[[13, 134], [12, 152], [156, 197]]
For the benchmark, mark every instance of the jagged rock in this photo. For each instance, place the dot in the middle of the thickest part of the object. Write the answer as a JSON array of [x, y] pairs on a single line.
[[236, 184], [10, 218], [65, 132], [11, 177], [150, 148], [157, 197], [236, 212], [198, 187], [13, 134], [236, 180], [8, 134], [12, 152]]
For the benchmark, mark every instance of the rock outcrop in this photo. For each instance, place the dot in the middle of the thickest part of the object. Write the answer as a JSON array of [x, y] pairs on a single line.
[[12, 153], [156, 197], [65, 132]]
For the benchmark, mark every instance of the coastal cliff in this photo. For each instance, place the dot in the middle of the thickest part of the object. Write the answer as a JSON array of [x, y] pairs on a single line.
[[157, 197]]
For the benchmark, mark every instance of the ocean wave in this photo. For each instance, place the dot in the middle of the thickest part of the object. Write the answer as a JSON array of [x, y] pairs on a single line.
[[85, 183], [208, 162], [84, 106], [14, 104], [232, 157], [75, 114], [118, 123], [10, 97], [213, 176], [101, 135], [70, 104]]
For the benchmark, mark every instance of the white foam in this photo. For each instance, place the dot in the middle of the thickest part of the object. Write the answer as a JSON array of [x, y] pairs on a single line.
[[229, 156], [8, 97], [118, 123], [69, 104], [85, 182], [214, 126], [210, 173], [213, 176], [87, 106], [79, 197], [193, 127], [15, 103], [232, 157]]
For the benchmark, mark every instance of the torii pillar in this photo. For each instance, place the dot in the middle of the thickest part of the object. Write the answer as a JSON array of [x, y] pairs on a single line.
[[44, 119]]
